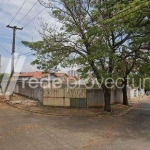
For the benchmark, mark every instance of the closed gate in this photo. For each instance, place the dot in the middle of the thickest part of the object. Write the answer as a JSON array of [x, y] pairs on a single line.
[[78, 102]]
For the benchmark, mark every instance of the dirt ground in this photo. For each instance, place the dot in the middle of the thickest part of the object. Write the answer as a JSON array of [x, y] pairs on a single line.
[[34, 106], [22, 130]]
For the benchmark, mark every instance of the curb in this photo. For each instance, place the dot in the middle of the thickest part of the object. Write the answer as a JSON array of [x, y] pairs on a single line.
[[92, 116], [130, 109], [49, 114]]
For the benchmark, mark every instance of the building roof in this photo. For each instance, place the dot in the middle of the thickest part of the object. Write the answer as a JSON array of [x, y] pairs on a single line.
[[73, 78], [40, 74], [59, 74], [37, 74], [56, 74]]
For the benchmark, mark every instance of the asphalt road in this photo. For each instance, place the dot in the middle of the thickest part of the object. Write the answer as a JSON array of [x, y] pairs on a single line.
[[20, 130]]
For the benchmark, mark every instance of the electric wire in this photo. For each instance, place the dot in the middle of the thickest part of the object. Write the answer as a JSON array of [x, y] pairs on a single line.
[[17, 12], [34, 18], [27, 52], [5, 49], [43, 10], [27, 13], [22, 55]]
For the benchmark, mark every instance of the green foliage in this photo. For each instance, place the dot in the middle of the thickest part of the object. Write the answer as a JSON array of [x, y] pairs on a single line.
[[145, 70], [147, 84], [1, 77], [104, 37]]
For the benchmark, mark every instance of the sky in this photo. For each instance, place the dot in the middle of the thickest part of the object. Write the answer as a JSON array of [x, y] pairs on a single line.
[[8, 10]]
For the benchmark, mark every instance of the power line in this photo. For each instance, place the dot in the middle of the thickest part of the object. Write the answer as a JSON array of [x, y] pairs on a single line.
[[27, 54], [103, 20], [17, 12], [45, 8], [27, 12], [5, 49], [24, 54], [35, 17]]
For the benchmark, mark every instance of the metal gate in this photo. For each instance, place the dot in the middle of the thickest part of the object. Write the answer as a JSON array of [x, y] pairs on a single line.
[[78, 102]]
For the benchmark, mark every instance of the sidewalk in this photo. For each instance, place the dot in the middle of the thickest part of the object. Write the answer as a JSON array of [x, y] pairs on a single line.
[[32, 106]]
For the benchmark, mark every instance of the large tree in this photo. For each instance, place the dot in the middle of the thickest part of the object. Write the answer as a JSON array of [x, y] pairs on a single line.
[[135, 17], [84, 35], [81, 32]]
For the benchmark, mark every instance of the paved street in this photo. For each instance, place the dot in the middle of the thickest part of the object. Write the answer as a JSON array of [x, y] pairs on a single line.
[[21, 130]]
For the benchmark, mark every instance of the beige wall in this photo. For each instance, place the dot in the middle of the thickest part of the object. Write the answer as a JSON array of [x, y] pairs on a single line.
[[95, 97], [61, 97], [36, 94]]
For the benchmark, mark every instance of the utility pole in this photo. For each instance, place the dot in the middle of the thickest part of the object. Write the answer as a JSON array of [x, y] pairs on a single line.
[[0, 64], [14, 28], [0, 73]]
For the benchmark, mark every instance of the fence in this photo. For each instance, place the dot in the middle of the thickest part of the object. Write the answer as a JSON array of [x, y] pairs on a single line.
[[64, 97], [132, 93], [95, 97], [34, 93], [79, 97]]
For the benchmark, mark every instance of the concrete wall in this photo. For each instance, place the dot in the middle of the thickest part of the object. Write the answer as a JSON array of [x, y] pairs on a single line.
[[61, 97], [34, 93], [132, 93], [95, 97], [142, 92], [116, 95]]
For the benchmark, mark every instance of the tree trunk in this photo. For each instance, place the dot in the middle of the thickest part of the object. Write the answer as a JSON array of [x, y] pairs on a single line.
[[106, 90], [107, 98], [124, 90]]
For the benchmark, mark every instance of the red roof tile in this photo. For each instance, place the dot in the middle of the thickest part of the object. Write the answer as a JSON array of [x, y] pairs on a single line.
[[37, 74], [59, 74]]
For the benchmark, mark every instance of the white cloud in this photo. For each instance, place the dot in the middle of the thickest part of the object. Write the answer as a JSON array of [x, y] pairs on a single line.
[[27, 67], [8, 9]]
